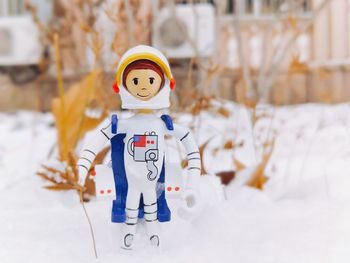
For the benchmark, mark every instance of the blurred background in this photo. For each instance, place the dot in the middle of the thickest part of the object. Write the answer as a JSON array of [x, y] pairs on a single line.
[[276, 51], [262, 84]]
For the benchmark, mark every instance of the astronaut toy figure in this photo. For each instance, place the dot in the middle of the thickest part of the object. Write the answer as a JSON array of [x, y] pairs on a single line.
[[144, 82]]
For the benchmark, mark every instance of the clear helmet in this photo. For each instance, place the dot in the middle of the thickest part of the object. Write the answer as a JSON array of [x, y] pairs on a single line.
[[159, 101]]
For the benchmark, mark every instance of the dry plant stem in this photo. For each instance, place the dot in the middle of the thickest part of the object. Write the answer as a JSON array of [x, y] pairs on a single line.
[[42, 28], [275, 51], [131, 22], [246, 76], [96, 46], [58, 69], [237, 127], [269, 131], [250, 113], [248, 84], [60, 88], [277, 60], [190, 71], [81, 122], [188, 78], [263, 64], [80, 193], [201, 152], [197, 54]]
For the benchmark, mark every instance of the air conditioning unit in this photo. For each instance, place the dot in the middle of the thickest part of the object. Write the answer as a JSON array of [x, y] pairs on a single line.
[[20, 44], [177, 30], [20, 47]]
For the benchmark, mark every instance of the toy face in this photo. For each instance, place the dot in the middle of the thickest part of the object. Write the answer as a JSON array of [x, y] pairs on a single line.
[[143, 84]]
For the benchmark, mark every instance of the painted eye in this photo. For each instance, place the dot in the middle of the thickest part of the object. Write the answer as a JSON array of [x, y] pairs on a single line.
[[136, 81], [151, 80]]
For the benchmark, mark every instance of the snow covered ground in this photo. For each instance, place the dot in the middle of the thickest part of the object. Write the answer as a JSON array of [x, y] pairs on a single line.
[[302, 215]]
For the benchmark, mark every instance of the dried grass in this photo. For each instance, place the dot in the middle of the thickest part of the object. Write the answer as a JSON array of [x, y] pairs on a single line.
[[70, 118], [258, 178], [71, 121]]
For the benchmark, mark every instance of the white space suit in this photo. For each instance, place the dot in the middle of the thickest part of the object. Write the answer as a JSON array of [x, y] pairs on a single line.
[[144, 149]]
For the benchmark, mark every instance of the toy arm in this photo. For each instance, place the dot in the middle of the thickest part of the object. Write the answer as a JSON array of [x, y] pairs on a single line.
[[193, 156], [190, 194], [95, 141]]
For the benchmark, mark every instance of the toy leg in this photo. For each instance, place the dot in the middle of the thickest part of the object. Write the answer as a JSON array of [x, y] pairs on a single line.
[[150, 214], [132, 210]]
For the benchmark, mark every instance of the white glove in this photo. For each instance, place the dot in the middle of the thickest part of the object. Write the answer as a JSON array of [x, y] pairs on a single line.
[[191, 204]]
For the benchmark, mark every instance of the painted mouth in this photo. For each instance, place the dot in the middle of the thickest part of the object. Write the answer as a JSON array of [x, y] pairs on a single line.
[[143, 96]]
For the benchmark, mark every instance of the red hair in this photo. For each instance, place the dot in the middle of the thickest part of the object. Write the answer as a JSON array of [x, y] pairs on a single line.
[[143, 64]]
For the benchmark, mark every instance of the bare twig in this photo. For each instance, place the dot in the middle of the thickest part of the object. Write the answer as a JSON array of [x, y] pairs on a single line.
[[248, 84], [131, 22], [278, 59], [263, 62], [80, 193], [60, 91]]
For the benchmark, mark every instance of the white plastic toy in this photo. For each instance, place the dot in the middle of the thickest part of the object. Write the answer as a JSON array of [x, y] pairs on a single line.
[[105, 187], [144, 82]]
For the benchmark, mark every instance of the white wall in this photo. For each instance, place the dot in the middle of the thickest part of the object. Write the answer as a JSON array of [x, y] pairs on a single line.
[[16, 7]]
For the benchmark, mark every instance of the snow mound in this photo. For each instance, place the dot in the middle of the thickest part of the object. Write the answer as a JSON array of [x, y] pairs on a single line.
[[302, 215]]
